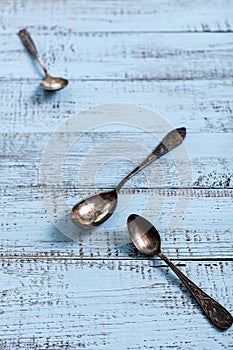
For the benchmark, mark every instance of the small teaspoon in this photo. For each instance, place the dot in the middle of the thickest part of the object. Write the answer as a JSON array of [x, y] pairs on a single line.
[[49, 83], [94, 210], [147, 240]]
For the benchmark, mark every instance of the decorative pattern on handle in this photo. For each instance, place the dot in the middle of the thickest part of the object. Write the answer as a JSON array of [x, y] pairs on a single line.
[[27, 40], [217, 314], [173, 139]]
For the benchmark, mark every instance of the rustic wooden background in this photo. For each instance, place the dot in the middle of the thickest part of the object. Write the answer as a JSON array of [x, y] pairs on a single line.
[[175, 57]]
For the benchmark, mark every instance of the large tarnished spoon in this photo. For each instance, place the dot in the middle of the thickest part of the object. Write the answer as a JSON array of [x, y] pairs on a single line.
[[96, 209], [147, 240]]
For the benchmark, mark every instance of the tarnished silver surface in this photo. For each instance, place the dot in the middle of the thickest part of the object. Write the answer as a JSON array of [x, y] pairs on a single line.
[[147, 240], [49, 83], [52, 84], [95, 210]]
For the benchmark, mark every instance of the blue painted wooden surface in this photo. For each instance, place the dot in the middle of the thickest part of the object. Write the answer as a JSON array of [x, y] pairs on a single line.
[[95, 291]]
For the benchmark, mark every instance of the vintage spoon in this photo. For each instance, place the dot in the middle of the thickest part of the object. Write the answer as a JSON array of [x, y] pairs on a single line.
[[49, 83], [147, 240], [96, 209]]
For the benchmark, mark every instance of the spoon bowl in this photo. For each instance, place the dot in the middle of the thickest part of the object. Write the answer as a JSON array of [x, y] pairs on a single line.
[[51, 83], [96, 209], [144, 235], [147, 240]]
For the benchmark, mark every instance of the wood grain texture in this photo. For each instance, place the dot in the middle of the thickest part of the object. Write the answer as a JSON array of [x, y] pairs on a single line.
[[72, 304], [181, 102], [127, 56], [124, 15], [61, 287], [202, 162], [202, 217]]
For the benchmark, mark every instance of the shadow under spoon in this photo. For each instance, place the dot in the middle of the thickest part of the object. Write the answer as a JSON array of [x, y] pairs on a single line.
[[49, 83], [147, 240], [96, 209]]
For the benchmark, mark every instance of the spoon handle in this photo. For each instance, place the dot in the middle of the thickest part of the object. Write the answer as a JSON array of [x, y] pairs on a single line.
[[173, 139], [28, 42], [213, 310]]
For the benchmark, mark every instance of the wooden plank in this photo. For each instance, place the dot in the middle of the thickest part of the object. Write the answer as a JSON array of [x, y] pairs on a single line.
[[180, 102], [67, 16], [201, 162], [74, 289], [125, 56], [194, 224], [71, 304]]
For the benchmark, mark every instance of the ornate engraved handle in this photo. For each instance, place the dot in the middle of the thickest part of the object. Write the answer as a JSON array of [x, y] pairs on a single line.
[[213, 310], [169, 142], [173, 139], [28, 42]]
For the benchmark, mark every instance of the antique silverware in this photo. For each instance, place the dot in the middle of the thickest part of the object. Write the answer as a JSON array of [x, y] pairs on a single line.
[[147, 240], [96, 209], [49, 83]]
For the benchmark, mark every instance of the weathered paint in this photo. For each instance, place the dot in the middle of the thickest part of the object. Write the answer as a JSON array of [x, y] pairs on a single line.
[[97, 292]]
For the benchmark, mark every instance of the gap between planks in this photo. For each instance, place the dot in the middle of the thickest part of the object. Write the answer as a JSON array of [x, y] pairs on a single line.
[[179, 261]]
